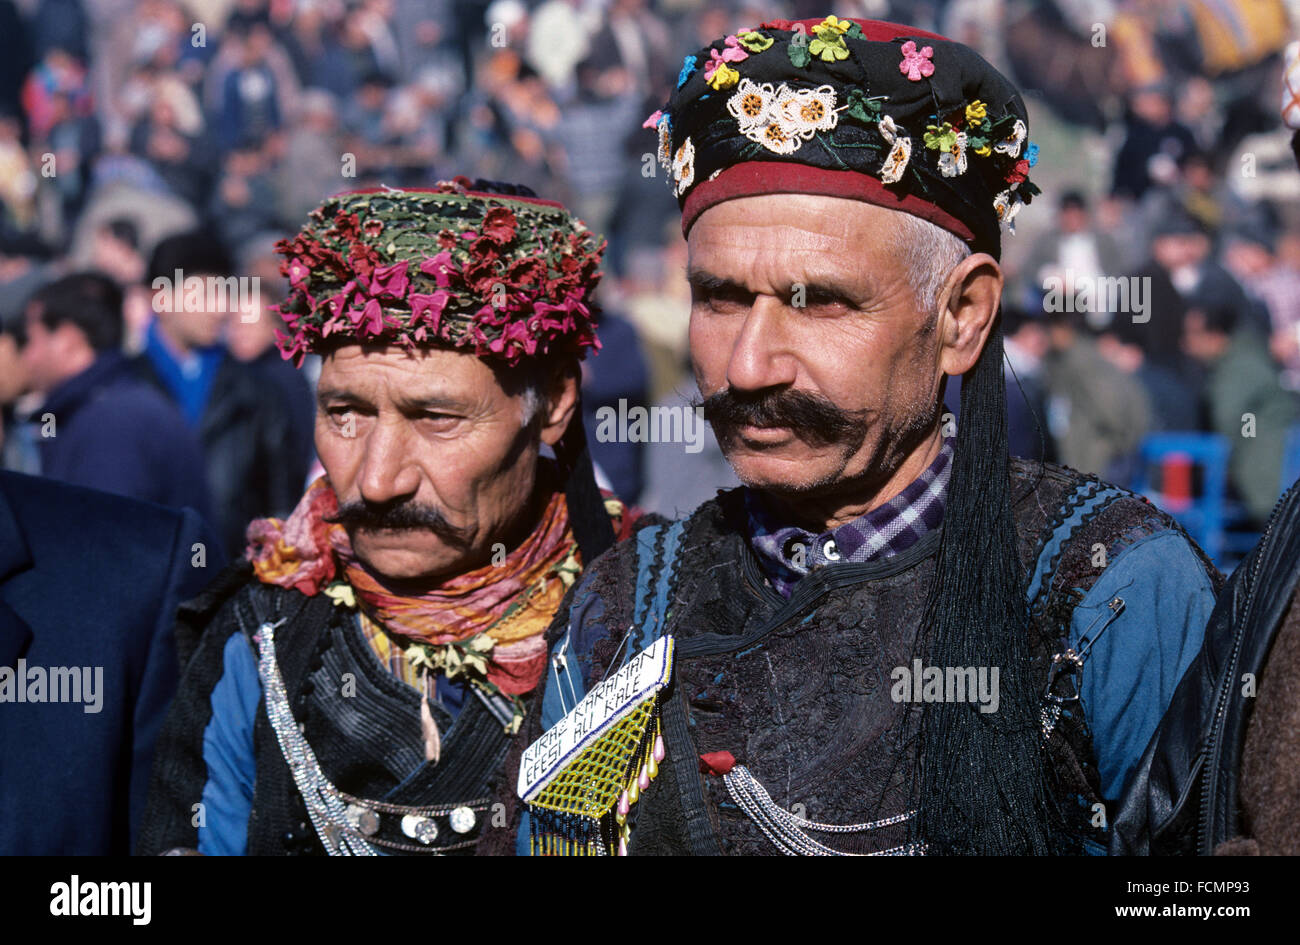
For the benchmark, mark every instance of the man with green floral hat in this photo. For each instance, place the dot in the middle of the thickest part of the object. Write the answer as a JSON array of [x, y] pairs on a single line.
[[894, 638], [357, 682]]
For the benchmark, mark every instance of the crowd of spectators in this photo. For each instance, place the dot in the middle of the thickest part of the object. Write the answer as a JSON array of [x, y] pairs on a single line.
[[143, 137]]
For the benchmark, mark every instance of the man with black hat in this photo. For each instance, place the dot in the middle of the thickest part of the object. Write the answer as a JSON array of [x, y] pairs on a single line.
[[361, 676], [893, 639]]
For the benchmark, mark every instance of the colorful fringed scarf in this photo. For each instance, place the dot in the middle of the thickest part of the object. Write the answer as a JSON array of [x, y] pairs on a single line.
[[509, 604]]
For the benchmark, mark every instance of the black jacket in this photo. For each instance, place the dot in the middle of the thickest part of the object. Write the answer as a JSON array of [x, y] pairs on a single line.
[[1183, 797], [118, 434], [255, 466]]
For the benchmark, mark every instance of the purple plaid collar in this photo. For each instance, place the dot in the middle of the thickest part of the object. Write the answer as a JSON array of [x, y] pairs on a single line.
[[786, 553]]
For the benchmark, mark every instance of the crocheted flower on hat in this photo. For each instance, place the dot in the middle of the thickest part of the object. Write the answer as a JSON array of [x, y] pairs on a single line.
[[916, 64], [926, 117]]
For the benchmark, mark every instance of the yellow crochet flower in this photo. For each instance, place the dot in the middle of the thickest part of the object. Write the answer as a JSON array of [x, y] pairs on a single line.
[[755, 41], [984, 151], [832, 23], [976, 112], [829, 44], [724, 77]]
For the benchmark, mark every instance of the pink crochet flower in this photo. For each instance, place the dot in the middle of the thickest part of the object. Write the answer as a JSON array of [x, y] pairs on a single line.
[[733, 53], [916, 64]]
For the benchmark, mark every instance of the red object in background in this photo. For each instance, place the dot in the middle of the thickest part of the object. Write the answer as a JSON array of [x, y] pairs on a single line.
[[1176, 481]]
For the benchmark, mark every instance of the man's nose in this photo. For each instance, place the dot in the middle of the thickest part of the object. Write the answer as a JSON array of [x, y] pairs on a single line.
[[388, 472], [761, 356]]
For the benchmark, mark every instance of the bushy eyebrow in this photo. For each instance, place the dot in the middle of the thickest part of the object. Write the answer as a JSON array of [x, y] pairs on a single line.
[[328, 395], [815, 293], [339, 395]]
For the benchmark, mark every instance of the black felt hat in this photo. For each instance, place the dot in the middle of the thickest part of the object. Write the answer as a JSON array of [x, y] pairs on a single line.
[[855, 108]]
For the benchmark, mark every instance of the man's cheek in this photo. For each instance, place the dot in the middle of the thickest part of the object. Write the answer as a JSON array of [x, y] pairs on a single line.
[[710, 352]]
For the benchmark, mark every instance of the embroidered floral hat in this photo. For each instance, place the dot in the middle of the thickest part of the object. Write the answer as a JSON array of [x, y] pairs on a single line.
[[864, 109], [506, 277]]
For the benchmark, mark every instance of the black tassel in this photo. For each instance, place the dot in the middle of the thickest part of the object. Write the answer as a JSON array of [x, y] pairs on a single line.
[[982, 787], [587, 516]]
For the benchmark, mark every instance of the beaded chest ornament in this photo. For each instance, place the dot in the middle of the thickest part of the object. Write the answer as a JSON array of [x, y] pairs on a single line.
[[581, 778]]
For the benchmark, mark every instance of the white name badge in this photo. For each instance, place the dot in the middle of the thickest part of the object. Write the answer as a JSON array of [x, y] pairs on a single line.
[[599, 710]]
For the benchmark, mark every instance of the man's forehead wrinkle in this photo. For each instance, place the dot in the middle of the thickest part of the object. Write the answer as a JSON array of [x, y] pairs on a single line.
[[407, 383]]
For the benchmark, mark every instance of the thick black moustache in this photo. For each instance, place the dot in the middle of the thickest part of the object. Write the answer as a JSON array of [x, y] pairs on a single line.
[[397, 517], [812, 417]]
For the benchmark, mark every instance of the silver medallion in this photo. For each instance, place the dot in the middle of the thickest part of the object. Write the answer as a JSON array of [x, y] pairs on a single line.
[[462, 820], [420, 828]]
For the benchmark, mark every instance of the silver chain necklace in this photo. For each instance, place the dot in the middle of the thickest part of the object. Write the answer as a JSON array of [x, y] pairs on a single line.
[[326, 809], [789, 832]]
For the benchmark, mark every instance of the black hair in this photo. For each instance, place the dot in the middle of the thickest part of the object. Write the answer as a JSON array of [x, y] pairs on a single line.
[[124, 231], [1222, 318], [1073, 199], [89, 300], [503, 188], [377, 77], [194, 253]]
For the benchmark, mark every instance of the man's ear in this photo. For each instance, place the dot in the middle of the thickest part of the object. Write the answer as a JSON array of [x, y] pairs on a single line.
[[967, 309], [560, 402]]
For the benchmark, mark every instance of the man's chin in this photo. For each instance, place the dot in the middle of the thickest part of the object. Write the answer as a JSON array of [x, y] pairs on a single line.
[[395, 561], [782, 471]]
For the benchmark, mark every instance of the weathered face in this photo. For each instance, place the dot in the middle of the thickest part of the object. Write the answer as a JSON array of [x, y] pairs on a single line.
[[429, 457], [859, 365]]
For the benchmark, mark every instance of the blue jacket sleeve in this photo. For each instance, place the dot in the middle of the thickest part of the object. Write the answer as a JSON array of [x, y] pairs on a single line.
[[1134, 666], [228, 753]]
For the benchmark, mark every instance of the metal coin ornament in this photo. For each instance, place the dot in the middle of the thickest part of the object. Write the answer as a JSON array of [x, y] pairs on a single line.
[[462, 820], [581, 779], [420, 828]]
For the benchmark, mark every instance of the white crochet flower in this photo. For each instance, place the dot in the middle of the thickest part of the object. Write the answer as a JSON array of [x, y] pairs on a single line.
[[805, 111], [749, 105], [665, 144], [1007, 205], [1012, 143], [953, 162], [783, 119], [684, 167], [896, 160]]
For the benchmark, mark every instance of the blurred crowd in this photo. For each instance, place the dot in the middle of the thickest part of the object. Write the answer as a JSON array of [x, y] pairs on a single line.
[[139, 138]]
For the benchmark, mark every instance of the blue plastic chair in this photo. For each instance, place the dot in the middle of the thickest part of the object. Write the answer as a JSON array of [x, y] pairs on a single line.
[[1205, 515]]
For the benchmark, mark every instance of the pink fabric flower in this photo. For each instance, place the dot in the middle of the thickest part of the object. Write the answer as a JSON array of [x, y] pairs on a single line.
[[372, 319], [441, 268], [337, 303], [427, 309], [390, 280], [653, 120], [916, 64], [299, 272], [733, 53]]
